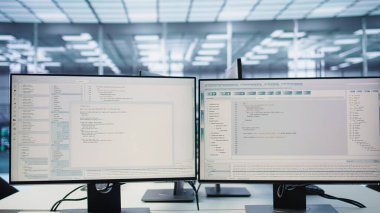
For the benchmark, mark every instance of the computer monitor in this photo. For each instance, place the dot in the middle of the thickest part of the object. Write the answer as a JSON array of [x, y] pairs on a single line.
[[95, 129], [290, 131], [176, 194], [234, 71]]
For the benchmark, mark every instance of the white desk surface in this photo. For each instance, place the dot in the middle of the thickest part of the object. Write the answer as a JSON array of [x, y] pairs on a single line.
[[42, 197]]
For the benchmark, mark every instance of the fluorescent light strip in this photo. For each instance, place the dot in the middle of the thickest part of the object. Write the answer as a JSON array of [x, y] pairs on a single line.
[[344, 65], [291, 35], [276, 43], [372, 55], [147, 37], [213, 45], [276, 33], [367, 31], [355, 60], [257, 57], [204, 58], [18, 46], [261, 50], [330, 49], [89, 46], [216, 37], [249, 62], [7, 38], [89, 53], [200, 63], [346, 41], [81, 37], [208, 52], [51, 49]]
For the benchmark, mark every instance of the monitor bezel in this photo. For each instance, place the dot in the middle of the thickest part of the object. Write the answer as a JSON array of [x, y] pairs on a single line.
[[119, 180], [274, 181]]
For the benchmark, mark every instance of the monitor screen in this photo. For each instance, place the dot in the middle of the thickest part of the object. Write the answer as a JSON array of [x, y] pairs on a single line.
[[90, 128], [266, 130]]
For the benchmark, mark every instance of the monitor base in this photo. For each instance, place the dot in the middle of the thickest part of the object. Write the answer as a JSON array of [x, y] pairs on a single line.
[[128, 210], [325, 208], [6, 189], [167, 195], [175, 195], [374, 187], [219, 191]]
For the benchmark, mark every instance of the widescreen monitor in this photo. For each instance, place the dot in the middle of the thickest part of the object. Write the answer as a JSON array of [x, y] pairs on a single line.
[[290, 130], [101, 129]]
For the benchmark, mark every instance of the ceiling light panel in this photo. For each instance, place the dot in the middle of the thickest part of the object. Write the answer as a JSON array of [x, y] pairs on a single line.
[[173, 10], [110, 11], [142, 10], [52, 17], [360, 8], [292, 14], [233, 15], [208, 4], [9, 3], [367, 4], [330, 9], [205, 10], [72, 4], [39, 4], [167, 7], [74, 7], [353, 12], [303, 5], [14, 12], [274, 2], [235, 10], [260, 17], [269, 9]]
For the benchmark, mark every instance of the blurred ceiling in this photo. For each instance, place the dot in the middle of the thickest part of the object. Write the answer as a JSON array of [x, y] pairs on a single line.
[[190, 49], [163, 11]]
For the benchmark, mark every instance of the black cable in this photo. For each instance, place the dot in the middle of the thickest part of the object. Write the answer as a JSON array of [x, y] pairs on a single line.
[[352, 202], [192, 184], [315, 190], [199, 186], [63, 200], [56, 204]]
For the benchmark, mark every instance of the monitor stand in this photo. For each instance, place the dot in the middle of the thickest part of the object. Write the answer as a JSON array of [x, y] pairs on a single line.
[[100, 201], [375, 187], [6, 189], [178, 194], [291, 201], [218, 191]]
